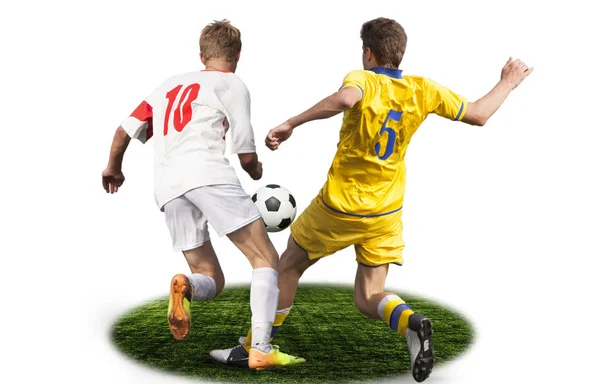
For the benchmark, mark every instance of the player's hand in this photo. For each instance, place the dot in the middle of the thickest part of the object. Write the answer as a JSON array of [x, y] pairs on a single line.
[[514, 72], [278, 135], [112, 179], [258, 171]]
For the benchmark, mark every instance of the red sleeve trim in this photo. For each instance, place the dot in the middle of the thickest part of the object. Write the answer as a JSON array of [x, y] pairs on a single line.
[[143, 112]]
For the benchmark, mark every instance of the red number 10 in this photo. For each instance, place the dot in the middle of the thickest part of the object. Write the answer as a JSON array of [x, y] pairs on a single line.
[[183, 111]]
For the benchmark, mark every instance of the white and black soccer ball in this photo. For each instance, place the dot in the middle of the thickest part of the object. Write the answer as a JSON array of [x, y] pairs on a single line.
[[276, 205]]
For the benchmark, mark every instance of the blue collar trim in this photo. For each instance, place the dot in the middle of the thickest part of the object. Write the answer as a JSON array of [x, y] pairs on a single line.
[[391, 72]]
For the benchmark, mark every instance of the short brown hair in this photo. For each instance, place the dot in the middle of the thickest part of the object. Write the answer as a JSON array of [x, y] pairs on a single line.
[[386, 39], [220, 40]]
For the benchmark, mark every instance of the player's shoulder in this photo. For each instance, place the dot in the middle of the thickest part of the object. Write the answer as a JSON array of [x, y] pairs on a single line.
[[419, 82], [190, 76], [203, 74], [416, 79], [219, 80], [234, 79], [361, 73], [178, 79]]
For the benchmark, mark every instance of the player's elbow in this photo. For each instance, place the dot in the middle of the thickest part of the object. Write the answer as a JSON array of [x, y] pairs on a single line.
[[122, 134], [346, 102], [479, 121], [474, 116], [248, 160]]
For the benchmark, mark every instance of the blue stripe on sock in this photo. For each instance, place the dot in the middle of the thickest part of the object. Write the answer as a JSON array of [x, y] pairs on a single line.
[[274, 331], [395, 317]]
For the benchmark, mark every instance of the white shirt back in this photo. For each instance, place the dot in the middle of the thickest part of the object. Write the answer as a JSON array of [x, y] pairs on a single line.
[[188, 116]]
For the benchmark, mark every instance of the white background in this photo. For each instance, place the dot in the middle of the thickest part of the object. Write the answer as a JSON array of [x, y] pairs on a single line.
[[501, 222]]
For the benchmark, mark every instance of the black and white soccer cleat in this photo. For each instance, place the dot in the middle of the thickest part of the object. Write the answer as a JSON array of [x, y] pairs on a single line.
[[236, 356], [418, 337]]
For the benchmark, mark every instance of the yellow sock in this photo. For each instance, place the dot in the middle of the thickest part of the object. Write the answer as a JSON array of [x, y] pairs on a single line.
[[248, 342], [394, 311]]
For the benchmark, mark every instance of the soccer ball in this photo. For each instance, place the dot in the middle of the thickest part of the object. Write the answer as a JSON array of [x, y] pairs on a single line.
[[276, 205]]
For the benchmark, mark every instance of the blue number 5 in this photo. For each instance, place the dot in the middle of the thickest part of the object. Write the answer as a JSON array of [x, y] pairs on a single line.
[[389, 147]]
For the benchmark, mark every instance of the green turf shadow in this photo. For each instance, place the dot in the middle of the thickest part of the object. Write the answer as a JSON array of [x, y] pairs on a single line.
[[339, 344]]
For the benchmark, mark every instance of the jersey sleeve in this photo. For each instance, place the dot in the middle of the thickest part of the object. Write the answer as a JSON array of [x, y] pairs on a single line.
[[237, 106], [443, 102], [139, 124], [358, 80]]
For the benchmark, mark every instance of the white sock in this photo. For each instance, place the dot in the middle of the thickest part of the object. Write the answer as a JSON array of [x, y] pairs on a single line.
[[284, 311], [264, 296], [203, 287]]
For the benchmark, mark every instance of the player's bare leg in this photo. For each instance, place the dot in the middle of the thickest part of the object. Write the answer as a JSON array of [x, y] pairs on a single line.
[[203, 260], [205, 283], [368, 289], [373, 302], [254, 242], [294, 262]]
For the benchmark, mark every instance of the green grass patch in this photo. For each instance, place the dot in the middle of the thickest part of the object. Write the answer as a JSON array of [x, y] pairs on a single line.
[[338, 342]]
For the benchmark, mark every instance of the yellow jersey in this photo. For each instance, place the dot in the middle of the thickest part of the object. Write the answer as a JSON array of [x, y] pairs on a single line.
[[367, 177]]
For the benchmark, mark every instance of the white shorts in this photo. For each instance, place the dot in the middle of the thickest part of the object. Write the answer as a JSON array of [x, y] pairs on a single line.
[[227, 207]]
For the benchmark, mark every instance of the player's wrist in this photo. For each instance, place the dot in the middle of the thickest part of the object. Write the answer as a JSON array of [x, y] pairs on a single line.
[[114, 166], [506, 84], [291, 123], [256, 173]]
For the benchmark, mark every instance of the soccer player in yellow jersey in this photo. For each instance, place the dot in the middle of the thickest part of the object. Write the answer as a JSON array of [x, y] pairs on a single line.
[[361, 202]]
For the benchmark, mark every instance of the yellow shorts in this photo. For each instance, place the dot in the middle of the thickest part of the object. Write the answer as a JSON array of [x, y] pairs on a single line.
[[321, 231]]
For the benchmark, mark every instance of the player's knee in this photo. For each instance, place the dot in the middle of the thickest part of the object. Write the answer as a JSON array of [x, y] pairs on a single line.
[[359, 302], [294, 260], [288, 265]]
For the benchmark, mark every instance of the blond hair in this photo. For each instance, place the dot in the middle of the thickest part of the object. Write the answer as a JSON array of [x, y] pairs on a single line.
[[220, 40]]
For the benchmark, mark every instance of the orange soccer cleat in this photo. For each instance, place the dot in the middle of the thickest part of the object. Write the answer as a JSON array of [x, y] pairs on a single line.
[[260, 360], [179, 314]]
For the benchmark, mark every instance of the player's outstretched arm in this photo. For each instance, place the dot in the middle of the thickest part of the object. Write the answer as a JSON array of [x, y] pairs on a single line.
[[250, 164], [112, 176], [330, 106], [513, 73]]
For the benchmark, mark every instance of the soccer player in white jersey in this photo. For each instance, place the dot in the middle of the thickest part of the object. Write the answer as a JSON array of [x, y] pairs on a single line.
[[189, 116]]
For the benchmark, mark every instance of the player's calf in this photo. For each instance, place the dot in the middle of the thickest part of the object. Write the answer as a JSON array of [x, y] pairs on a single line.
[[367, 305], [253, 240]]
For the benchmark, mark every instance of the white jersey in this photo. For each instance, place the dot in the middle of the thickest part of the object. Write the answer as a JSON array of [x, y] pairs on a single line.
[[188, 116]]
